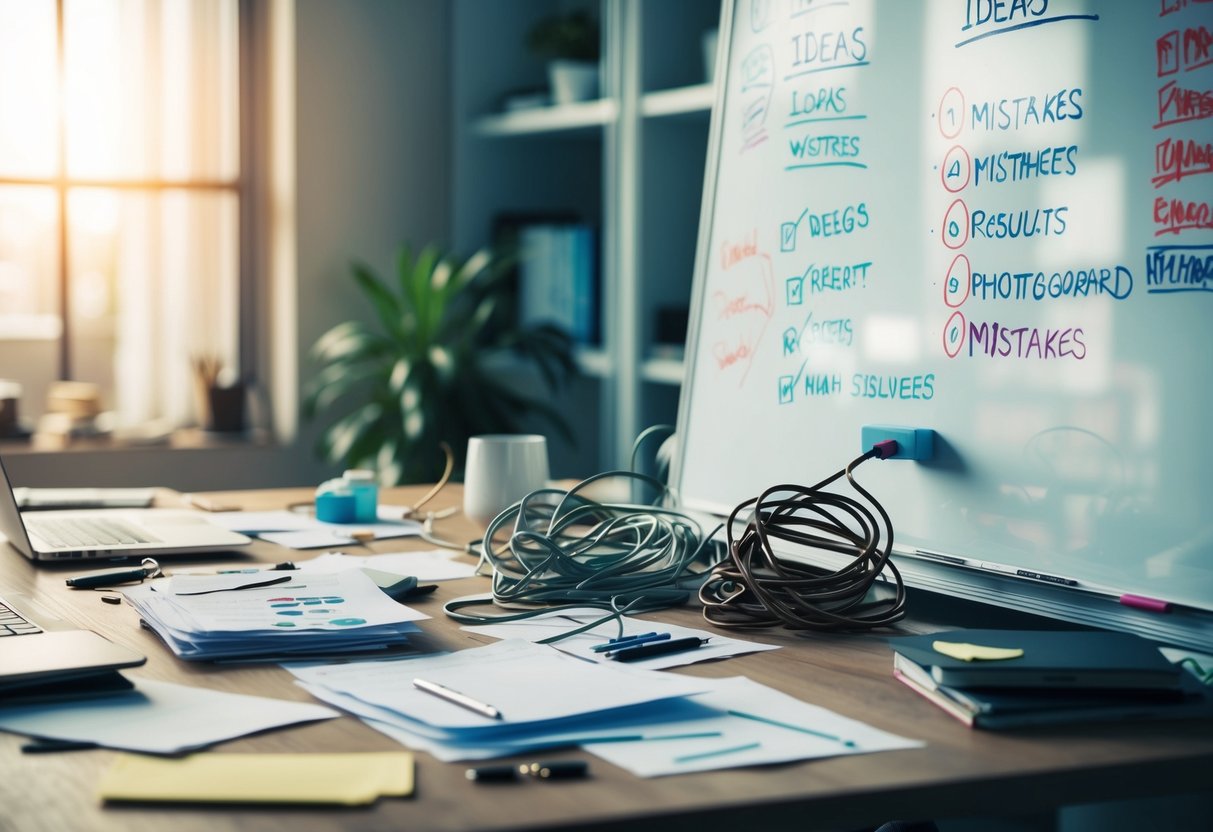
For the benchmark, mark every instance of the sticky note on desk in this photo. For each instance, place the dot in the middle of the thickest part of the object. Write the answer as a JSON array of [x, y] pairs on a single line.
[[340, 779], [975, 652]]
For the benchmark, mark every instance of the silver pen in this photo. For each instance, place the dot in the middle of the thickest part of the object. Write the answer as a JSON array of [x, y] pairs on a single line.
[[457, 698]]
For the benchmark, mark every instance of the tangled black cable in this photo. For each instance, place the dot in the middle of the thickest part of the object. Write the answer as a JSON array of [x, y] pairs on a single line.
[[565, 550], [755, 587]]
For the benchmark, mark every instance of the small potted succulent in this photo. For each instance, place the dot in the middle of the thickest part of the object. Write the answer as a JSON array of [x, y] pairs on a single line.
[[570, 43]]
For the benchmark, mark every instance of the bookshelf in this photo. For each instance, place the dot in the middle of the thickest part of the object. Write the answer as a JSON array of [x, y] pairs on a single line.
[[631, 163]]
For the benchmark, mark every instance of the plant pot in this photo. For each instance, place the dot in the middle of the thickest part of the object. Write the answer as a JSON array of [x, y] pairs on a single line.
[[573, 81]]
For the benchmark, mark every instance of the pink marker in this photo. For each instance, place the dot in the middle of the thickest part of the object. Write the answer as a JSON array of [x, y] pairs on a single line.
[[1141, 602]]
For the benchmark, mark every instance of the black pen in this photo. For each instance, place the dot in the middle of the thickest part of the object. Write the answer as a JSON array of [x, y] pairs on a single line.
[[113, 577], [658, 648]]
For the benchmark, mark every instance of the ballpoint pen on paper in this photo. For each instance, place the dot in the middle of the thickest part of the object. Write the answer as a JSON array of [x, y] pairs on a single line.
[[660, 648], [623, 644], [457, 698]]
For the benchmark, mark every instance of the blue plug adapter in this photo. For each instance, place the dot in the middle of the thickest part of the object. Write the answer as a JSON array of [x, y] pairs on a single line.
[[912, 443]]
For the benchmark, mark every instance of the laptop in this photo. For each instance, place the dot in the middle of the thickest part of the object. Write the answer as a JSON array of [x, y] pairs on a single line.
[[41, 656], [108, 533]]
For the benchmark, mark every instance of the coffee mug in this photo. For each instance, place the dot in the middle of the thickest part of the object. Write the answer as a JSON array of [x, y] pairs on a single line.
[[502, 469]]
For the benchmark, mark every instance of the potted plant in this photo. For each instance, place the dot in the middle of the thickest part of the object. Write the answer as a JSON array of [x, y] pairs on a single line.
[[430, 371], [570, 43]]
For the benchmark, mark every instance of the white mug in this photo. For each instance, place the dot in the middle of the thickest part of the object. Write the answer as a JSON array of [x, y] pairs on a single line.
[[502, 469]]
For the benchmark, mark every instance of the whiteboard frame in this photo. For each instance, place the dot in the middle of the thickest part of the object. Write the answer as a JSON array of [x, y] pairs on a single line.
[[1181, 626]]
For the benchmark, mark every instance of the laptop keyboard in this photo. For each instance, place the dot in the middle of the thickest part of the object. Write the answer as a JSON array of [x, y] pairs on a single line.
[[86, 531], [14, 624]]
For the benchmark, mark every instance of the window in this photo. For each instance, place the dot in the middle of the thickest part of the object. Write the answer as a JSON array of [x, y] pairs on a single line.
[[121, 189]]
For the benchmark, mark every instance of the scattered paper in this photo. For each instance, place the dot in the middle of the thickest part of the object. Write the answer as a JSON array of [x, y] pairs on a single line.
[[975, 652], [433, 565], [296, 530], [158, 718], [342, 779], [756, 725], [583, 644], [528, 683]]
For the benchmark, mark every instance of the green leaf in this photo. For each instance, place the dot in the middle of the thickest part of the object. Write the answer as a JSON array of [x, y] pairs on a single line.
[[385, 303]]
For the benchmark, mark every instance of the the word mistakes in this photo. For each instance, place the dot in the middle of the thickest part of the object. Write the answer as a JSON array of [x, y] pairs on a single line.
[[1006, 114], [998, 340], [1018, 165], [1179, 269], [1013, 225], [1114, 282]]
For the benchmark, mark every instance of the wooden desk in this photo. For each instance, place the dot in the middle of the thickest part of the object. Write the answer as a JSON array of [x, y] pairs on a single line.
[[959, 773]]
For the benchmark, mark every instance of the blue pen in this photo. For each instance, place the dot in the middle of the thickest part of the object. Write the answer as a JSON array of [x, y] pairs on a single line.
[[635, 641], [631, 637]]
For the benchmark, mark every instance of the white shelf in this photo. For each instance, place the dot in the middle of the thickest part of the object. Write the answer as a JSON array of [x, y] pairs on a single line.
[[586, 116], [595, 362], [679, 101], [662, 370]]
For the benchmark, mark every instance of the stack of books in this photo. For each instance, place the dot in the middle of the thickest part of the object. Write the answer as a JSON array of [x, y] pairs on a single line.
[[1061, 677], [559, 272]]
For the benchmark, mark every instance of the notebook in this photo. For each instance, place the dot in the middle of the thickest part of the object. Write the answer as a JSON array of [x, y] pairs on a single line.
[[108, 533], [1001, 708], [37, 650], [1051, 659]]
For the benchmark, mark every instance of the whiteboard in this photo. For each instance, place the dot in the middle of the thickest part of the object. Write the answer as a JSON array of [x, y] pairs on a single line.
[[991, 218]]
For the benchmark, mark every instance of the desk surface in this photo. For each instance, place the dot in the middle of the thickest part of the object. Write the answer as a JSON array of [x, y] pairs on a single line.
[[958, 773]]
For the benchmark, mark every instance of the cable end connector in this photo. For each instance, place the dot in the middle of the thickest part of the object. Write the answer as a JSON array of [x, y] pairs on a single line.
[[907, 443], [885, 448]]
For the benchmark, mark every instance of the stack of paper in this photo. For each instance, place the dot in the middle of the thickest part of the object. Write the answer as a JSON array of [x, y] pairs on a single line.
[[650, 722], [271, 614]]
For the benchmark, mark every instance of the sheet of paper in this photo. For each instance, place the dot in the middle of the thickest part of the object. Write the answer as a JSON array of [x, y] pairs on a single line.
[[758, 725], [432, 565], [527, 683], [297, 530], [660, 722], [582, 645], [158, 718], [342, 779], [316, 602]]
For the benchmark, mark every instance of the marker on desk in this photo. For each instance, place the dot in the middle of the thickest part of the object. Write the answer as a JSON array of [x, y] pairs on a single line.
[[1141, 602], [624, 644], [556, 769], [660, 648], [457, 698], [1003, 569], [1040, 576]]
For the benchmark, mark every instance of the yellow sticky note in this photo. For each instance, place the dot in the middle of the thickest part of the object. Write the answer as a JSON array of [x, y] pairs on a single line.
[[343, 779], [975, 652]]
